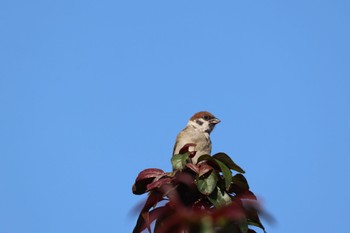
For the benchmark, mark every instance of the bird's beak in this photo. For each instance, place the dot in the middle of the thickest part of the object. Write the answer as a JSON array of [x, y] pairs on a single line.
[[215, 121]]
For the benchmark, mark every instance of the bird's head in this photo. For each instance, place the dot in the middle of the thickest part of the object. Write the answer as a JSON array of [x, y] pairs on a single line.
[[203, 121]]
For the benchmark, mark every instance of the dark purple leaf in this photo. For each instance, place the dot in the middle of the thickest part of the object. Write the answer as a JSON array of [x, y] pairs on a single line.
[[140, 187], [239, 184], [251, 231], [247, 195], [186, 147]]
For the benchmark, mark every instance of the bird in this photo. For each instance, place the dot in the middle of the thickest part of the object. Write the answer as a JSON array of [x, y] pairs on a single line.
[[197, 131]]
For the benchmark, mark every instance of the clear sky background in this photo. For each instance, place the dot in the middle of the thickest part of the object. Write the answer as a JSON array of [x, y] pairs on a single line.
[[93, 92]]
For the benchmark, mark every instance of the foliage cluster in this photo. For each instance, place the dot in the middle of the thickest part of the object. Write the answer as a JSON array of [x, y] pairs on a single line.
[[197, 198]]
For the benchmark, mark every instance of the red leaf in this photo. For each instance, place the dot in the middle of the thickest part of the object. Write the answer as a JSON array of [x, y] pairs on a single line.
[[193, 167], [149, 173], [185, 148], [144, 178], [247, 195], [151, 216], [233, 211], [172, 222], [152, 200], [186, 179], [192, 154], [159, 183], [204, 168], [143, 218], [140, 187], [251, 231]]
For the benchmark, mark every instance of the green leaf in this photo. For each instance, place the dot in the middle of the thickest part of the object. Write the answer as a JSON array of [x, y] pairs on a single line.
[[179, 161], [228, 161], [253, 218], [206, 225], [226, 172], [243, 226], [204, 157], [206, 184], [219, 198], [256, 224]]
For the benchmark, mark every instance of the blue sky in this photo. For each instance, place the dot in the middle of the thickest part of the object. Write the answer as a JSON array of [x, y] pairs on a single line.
[[93, 92]]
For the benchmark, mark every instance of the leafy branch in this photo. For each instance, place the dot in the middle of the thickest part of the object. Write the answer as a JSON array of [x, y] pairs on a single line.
[[197, 198]]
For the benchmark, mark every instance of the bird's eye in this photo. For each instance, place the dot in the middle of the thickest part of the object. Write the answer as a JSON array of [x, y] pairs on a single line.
[[206, 117]]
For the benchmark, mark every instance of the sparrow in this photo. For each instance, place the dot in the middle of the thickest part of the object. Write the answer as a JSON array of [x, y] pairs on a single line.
[[197, 131]]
